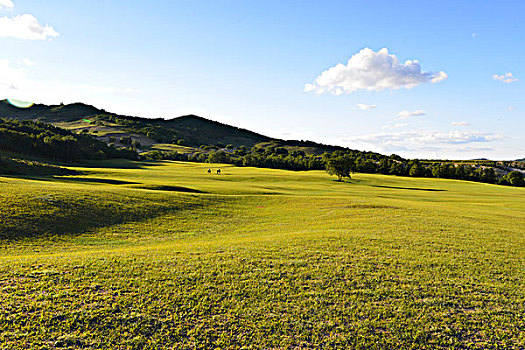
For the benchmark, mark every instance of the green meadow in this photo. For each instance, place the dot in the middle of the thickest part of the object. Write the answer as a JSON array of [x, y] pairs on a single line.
[[163, 255]]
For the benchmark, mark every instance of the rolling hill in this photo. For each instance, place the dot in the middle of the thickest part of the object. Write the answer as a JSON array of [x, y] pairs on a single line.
[[188, 130]]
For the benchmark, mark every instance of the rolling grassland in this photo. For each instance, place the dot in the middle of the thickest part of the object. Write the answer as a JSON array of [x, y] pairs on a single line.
[[164, 255]]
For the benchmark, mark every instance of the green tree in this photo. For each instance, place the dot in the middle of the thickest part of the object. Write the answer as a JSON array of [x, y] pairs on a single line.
[[515, 178], [340, 166], [416, 169], [218, 157], [489, 175]]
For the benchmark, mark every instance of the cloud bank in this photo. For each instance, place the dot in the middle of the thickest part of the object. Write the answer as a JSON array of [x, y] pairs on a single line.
[[421, 140], [372, 71], [25, 27], [6, 4]]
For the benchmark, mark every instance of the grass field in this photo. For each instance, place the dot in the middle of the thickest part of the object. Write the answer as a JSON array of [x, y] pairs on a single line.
[[169, 147], [164, 255]]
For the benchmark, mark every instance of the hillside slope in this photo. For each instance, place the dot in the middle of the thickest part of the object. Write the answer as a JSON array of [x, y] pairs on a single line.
[[188, 130]]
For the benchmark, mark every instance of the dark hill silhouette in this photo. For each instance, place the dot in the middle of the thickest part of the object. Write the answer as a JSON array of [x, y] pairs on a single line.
[[188, 130], [49, 114], [205, 132], [192, 129]]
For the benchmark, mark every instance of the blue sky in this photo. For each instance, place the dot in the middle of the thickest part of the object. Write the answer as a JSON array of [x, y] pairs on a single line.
[[248, 63]]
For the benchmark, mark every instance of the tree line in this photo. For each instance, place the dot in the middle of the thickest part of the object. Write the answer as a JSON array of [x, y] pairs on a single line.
[[343, 163]]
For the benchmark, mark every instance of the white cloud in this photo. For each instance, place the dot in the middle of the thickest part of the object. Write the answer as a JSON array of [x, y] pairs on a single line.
[[25, 27], [6, 4], [372, 71], [365, 107], [505, 78], [407, 114], [309, 87], [438, 77], [460, 123]]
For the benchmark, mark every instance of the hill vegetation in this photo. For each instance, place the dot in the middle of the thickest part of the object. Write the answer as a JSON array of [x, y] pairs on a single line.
[[187, 130], [42, 140]]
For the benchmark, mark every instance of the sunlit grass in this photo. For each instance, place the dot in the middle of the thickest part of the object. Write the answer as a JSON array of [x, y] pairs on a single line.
[[165, 255]]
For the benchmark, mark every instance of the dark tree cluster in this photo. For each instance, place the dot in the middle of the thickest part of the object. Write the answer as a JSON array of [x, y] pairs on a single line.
[[395, 165], [275, 158], [280, 158], [47, 141]]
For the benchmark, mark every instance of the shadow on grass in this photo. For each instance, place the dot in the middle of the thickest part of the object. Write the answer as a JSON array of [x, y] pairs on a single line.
[[95, 180], [117, 164], [170, 189], [73, 214], [410, 188], [60, 178]]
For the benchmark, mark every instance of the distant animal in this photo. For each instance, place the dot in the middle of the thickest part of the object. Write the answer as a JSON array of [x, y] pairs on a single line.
[[218, 171], [209, 171]]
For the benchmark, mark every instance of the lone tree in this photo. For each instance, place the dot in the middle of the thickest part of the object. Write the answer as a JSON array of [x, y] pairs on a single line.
[[340, 166]]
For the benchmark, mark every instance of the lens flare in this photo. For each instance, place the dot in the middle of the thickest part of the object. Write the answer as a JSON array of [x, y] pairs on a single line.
[[19, 104]]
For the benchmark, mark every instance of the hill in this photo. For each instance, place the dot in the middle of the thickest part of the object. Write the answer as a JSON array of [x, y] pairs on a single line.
[[121, 130], [188, 130]]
